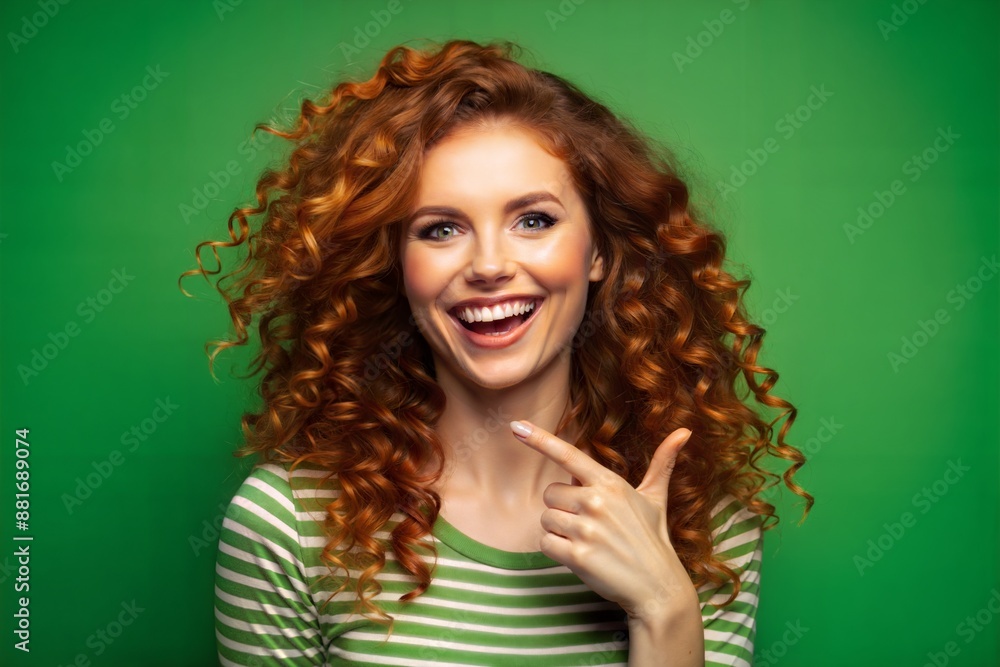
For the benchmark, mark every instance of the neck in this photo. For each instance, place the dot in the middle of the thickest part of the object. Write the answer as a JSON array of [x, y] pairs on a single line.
[[483, 459]]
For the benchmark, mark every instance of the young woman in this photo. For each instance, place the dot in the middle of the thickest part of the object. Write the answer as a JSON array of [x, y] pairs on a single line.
[[500, 421]]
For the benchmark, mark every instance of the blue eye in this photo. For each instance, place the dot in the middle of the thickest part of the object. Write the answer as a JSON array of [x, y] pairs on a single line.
[[541, 221]]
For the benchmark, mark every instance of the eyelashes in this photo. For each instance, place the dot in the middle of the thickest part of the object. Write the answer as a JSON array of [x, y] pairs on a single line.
[[426, 232]]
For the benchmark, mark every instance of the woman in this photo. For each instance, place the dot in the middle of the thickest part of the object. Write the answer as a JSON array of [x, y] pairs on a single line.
[[500, 422]]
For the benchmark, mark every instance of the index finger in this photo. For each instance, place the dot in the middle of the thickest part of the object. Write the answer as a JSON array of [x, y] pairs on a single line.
[[571, 459]]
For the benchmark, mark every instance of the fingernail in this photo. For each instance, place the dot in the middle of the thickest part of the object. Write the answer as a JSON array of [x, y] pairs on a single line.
[[520, 429]]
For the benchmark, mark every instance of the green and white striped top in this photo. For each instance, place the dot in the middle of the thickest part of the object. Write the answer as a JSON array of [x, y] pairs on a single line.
[[484, 606]]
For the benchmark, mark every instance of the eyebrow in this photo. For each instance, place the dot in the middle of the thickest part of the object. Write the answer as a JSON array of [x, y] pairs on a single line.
[[511, 206]]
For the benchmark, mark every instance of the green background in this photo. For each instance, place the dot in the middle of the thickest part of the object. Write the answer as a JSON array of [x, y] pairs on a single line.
[[836, 305]]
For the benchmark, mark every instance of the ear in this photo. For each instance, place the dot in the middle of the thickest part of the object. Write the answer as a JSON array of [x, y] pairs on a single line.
[[596, 266]]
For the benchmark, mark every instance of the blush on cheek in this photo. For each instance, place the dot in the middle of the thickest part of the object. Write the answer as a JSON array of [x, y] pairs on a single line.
[[418, 279], [563, 261]]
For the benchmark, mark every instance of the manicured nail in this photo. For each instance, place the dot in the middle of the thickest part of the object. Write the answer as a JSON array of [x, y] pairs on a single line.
[[520, 429]]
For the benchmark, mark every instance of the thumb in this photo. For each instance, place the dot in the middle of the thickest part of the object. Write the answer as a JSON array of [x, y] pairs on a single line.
[[657, 478]]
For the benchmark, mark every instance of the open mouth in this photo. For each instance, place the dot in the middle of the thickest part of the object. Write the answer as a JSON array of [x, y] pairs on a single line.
[[496, 326]]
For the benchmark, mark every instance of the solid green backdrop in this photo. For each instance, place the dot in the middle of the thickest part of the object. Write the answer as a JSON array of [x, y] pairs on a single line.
[[849, 151]]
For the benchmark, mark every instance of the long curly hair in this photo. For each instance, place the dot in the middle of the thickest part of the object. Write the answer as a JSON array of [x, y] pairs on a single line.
[[349, 381]]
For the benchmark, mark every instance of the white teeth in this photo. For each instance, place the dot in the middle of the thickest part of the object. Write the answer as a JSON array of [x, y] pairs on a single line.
[[497, 312]]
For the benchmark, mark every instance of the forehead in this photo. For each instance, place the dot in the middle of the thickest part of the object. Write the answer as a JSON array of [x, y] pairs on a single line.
[[488, 162]]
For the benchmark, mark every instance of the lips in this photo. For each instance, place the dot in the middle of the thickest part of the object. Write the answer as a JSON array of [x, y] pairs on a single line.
[[501, 332]]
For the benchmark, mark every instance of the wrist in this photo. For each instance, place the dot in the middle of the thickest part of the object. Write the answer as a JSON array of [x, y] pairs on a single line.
[[676, 605]]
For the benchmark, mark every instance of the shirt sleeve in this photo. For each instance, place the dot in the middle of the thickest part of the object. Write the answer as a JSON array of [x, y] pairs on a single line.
[[730, 632], [264, 613]]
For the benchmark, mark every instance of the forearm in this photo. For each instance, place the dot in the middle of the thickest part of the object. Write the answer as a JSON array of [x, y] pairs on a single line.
[[677, 640]]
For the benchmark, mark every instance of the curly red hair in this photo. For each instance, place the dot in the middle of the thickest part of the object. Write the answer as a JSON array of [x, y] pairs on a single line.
[[664, 340]]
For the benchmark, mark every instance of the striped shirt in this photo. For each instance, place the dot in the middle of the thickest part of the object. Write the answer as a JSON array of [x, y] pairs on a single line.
[[484, 606]]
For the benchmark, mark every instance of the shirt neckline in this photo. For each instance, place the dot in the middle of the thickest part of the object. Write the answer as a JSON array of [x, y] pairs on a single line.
[[483, 553]]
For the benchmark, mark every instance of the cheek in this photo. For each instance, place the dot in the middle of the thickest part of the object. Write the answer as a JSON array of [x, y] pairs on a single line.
[[563, 264], [422, 278]]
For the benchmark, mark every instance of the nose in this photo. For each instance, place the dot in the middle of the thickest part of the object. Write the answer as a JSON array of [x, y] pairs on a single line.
[[491, 261]]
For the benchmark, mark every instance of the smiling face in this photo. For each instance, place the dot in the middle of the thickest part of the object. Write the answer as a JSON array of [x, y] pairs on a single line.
[[497, 219]]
